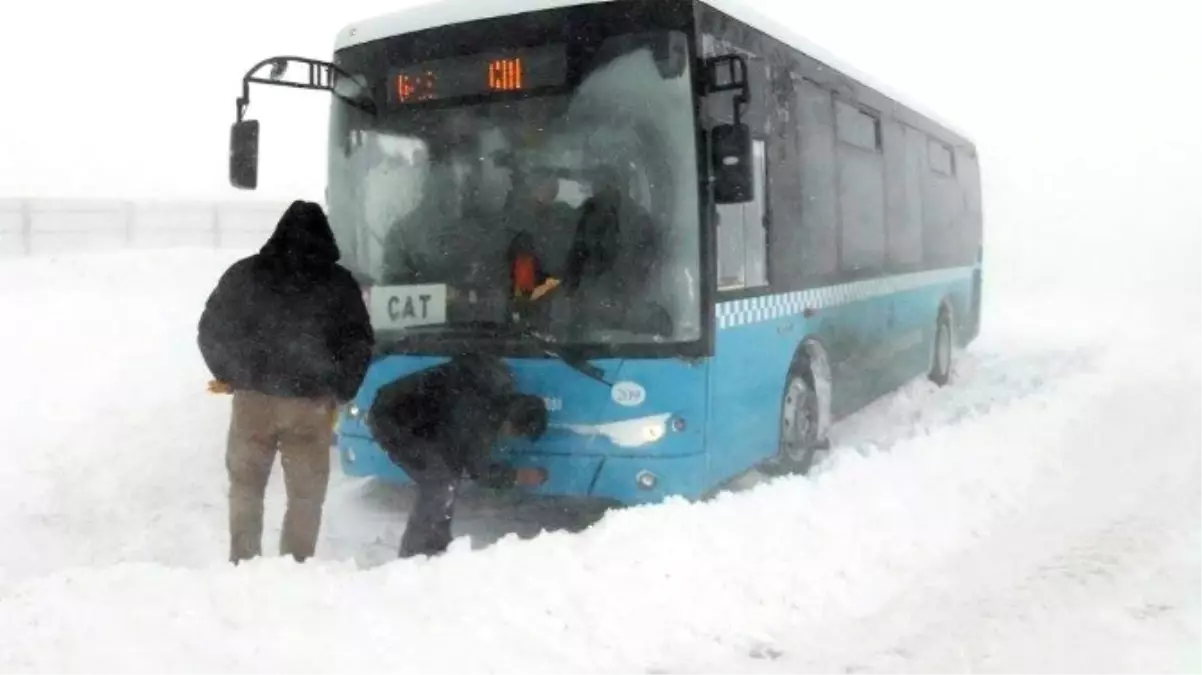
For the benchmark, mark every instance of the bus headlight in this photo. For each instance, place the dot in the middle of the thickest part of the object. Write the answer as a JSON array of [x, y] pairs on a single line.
[[353, 411], [646, 480], [653, 431], [636, 433]]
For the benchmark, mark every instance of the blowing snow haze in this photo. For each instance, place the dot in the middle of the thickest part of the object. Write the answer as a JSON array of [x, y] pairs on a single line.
[[1080, 111], [1083, 114], [1043, 513], [134, 99]]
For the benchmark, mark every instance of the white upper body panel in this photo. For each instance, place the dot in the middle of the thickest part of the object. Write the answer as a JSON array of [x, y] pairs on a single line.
[[449, 12]]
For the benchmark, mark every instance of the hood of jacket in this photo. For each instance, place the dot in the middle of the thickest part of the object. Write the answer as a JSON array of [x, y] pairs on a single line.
[[302, 237]]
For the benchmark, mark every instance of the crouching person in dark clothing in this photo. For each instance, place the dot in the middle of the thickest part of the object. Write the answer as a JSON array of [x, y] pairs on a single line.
[[440, 425], [287, 333]]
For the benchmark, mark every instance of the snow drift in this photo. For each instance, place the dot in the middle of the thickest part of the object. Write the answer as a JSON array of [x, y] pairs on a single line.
[[1043, 512]]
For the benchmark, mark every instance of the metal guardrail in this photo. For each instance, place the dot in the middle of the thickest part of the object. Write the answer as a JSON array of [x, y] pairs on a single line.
[[32, 227]]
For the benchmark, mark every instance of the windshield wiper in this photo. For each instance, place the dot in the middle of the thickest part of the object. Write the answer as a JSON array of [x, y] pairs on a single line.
[[546, 344], [576, 362]]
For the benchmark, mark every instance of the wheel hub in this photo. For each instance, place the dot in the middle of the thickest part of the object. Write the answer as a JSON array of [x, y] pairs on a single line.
[[795, 419]]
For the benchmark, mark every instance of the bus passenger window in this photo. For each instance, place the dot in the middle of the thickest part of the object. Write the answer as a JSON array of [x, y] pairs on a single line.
[[941, 159]]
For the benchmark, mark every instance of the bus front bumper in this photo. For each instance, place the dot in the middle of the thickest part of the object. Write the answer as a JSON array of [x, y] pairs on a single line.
[[627, 479]]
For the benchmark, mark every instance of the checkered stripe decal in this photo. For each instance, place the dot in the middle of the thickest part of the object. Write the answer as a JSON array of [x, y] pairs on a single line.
[[769, 307]]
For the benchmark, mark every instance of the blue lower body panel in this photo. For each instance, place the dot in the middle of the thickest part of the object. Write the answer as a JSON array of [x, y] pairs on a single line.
[[725, 411]]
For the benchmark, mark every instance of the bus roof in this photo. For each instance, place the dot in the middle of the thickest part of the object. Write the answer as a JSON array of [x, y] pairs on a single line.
[[448, 12]]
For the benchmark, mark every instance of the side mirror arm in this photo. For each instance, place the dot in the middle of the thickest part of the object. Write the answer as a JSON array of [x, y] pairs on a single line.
[[322, 76]]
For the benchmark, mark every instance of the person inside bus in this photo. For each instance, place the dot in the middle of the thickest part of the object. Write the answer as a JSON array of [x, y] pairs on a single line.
[[533, 206], [285, 331], [529, 281], [609, 267], [440, 425], [538, 229]]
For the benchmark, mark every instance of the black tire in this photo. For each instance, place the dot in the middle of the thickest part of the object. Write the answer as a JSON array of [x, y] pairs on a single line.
[[943, 353], [799, 441]]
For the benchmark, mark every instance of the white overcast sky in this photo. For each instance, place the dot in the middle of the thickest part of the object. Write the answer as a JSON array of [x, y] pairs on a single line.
[[1081, 109]]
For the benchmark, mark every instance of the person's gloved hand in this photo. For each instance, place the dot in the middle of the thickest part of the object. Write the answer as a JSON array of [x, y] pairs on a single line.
[[549, 285], [219, 387]]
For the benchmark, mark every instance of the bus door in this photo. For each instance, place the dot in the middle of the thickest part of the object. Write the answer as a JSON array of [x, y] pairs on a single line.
[[752, 352]]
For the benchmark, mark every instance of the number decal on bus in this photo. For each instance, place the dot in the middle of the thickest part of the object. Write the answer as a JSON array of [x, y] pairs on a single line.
[[629, 394]]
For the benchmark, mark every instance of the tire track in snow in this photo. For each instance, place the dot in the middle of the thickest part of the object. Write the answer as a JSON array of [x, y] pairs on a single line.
[[983, 381], [1087, 574]]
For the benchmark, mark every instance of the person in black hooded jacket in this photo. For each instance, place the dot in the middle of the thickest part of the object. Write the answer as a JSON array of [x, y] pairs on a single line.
[[287, 332]]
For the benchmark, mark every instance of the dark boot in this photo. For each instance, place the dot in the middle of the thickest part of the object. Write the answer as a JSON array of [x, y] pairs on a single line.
[[428, 531]]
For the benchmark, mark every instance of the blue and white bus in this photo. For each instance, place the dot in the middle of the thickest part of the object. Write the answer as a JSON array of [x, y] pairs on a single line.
[[698, 237]]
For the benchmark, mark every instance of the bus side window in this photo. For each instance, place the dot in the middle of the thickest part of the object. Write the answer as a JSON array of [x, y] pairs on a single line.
[[859, 157], [741, 235]]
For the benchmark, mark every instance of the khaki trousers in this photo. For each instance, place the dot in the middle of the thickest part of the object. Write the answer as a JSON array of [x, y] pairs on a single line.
[[301, 430]]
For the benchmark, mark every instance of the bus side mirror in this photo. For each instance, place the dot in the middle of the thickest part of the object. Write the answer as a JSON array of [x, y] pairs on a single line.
[[730, 155], [244, 154], [728, 72]]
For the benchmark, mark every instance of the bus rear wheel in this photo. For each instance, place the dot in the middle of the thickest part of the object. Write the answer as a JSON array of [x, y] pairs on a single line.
[[799, 441], [941, 363]]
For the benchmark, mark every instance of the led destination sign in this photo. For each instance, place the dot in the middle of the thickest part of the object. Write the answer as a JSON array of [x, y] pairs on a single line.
[[481, 74]]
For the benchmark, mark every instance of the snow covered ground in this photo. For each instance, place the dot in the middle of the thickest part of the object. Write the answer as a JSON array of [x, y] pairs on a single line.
[[1042, 514]]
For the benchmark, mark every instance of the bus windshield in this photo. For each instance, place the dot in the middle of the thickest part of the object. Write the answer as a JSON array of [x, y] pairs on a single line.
[[573, 205]]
